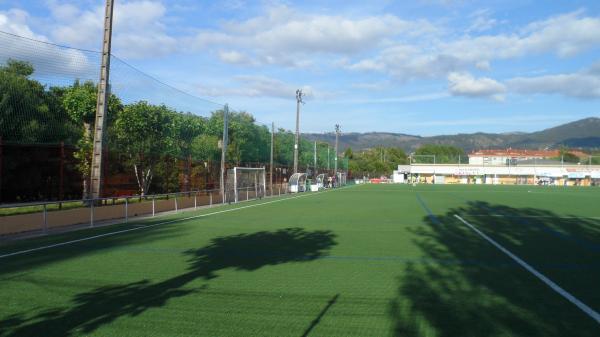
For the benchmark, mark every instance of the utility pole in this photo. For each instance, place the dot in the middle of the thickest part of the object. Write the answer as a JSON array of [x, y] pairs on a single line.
[[224, 148], [1, 168], [315, 158], [335, 160], [272, 148], [296, 144], [102, 104], [328, 168]]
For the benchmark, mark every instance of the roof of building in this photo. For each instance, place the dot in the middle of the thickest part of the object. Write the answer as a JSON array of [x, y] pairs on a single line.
[[523, 153]]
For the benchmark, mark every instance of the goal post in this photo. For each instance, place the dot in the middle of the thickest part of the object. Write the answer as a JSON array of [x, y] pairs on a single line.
[[244, 182]]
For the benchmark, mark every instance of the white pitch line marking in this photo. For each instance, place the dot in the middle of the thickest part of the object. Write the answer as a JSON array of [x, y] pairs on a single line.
[[533, 216], [148, 226], [584, 307]]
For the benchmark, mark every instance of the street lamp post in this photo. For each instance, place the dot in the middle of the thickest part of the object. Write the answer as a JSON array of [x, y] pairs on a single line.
[[296, 144]]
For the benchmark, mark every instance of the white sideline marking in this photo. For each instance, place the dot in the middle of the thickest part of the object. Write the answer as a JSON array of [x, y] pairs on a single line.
[[153, 225], [584, 307], [533, 216]]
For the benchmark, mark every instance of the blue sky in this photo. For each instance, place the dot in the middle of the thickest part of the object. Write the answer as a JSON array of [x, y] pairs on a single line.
[[420, 67]]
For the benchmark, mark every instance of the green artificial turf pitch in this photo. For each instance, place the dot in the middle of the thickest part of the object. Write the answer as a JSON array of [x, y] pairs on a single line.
[[373, 260]]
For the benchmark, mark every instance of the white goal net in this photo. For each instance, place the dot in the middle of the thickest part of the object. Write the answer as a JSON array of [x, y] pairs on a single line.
[[244, 183]]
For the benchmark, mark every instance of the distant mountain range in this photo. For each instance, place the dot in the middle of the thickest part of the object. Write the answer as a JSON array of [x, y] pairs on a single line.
[[584, 133]]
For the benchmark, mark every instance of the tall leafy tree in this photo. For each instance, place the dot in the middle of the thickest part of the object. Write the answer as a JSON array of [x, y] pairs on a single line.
[[144, 134], [444, 154], [79, 100], [377, 161], [187, 127], [248, 142], [28, 112]]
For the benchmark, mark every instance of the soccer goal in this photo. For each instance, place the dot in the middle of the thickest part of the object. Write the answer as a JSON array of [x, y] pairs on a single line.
[[244, 183], [341, 179]]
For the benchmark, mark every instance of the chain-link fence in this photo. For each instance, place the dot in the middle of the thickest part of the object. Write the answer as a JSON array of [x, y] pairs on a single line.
[[56, 216]]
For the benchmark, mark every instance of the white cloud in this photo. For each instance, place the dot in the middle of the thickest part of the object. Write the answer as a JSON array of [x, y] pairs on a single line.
[[482, 21], [464, 84], [564, 35], [64, 63], [584, 84], [15, 21], [138, 28], [367, 65], [260, 86], [399, 99], [63, 11], [283, 33], [76, 28], [330, 34], [234, 57]]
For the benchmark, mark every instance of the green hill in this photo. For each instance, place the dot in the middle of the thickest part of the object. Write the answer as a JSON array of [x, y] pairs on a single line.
[[584, 133]]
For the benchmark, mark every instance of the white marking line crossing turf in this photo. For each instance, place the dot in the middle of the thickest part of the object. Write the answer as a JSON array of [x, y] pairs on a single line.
[[533, 216], [584, 307], [148, 226]]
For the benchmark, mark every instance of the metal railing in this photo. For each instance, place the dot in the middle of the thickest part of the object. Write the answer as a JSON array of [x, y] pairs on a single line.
[[49, 216]]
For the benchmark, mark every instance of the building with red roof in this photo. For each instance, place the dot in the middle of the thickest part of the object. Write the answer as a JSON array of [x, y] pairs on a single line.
[[512, 156]]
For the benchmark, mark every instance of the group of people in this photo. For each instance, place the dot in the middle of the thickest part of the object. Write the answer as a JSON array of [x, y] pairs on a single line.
[[330, 182]]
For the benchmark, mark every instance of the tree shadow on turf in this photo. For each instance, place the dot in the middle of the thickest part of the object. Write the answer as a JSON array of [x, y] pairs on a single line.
[[467, 287], [248, 252]]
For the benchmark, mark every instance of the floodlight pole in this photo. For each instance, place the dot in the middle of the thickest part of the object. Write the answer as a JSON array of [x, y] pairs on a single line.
[[272, 150], [224, 148], [101, 104], [335, 160], [296, 144]]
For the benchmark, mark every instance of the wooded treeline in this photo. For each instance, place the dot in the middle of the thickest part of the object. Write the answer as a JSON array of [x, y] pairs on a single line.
[[46, 133], [159, 148]]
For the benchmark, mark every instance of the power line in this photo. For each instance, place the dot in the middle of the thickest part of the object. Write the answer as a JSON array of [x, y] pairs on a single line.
[[118, 59], [165, 84], [50, 43]]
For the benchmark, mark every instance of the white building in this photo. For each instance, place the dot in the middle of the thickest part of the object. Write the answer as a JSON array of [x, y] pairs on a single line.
[[582, 175], [513, 156]]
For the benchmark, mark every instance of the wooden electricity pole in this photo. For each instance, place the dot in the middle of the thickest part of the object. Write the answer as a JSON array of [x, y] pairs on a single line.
[[102, 104], [1, 154]]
